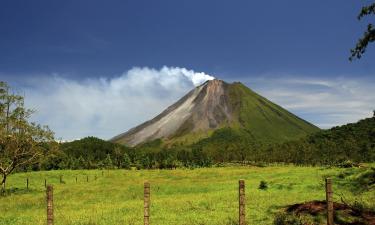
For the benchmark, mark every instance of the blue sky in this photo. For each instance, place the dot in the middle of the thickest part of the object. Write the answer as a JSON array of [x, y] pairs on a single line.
[[292, 52]]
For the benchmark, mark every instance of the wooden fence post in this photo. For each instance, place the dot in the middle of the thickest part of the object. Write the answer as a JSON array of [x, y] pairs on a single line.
[[87, 178], [3, 188], [49, 205], [76, 179], [329, 200], [146, 203], [241, 198], [27, 183]]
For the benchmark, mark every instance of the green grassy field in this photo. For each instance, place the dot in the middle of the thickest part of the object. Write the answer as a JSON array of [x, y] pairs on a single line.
[[182, 196]]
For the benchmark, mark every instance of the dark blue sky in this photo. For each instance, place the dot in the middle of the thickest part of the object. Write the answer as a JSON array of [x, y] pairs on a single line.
[[224, 38], [94, 67]]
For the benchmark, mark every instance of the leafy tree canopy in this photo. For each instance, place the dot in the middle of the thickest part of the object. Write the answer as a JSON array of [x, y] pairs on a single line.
[[368, 36], [21, 142]]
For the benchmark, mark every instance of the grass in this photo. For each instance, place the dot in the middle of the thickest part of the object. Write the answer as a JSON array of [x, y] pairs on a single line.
[[182, 196]]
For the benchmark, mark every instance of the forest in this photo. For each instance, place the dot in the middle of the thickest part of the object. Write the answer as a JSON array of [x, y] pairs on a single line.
[[351, 143]]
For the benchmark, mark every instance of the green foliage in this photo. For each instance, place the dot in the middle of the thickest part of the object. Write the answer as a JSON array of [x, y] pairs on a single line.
[[347, 164], [263, 185], [368, 36], [126, 163], [90, 148], [345, 145], [54, 160], [80, 163], [107, 163], [91, 153], [94, 153], [21, 143]]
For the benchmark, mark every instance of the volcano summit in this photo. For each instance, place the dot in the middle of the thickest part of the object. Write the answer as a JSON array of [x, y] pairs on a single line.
[[216, 105]]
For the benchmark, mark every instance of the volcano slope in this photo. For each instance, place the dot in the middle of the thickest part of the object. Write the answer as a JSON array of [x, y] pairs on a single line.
[[219, 115]]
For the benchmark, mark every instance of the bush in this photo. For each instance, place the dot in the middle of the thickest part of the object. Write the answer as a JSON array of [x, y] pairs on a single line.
[[347, 164], [263, 185]]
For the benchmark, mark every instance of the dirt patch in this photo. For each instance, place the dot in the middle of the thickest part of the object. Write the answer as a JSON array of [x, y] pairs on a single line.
[[314, 208]]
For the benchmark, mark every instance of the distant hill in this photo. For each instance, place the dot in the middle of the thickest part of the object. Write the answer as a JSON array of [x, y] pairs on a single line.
[[342, 145], [90, 153], [215, 113], [354, 142]]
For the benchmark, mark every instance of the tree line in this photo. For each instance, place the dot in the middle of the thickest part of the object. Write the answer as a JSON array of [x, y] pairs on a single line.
[[95, 153], [352, 142]]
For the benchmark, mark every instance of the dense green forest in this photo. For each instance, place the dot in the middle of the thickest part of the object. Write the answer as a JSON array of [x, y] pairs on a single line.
[[355, 142], [95, 153], [352, 142]]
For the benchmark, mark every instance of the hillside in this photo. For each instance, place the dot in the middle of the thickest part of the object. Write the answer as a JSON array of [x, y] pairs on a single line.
[[215, 106], [340, 146], [354, 142]]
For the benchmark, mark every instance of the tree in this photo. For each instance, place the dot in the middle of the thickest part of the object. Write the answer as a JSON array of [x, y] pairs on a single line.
[[126, 163], [118, 156], [146, 162], [108, 164], [21, 142], [80, 163], [368, 36]]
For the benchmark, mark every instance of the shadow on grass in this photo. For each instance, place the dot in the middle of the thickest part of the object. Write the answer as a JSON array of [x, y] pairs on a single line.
[[357, 181], [17, 191]]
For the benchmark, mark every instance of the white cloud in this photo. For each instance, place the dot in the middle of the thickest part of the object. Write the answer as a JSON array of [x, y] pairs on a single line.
[[106, 107]]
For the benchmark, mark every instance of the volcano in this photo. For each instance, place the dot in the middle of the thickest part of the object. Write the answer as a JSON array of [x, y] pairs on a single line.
[[216, 105]]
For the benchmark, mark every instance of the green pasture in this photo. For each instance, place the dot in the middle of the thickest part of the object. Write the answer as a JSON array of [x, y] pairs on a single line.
[[182, 196]]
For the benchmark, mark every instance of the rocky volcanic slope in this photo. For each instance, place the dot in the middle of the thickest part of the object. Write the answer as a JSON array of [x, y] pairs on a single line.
[[214, 105]]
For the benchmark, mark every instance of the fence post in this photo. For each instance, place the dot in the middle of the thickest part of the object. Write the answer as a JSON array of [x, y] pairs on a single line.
[[87, 178], [329, 200], [241, 193], [27, 183], [49, 205], [146, 203], [3, 188], [76, 179], [61, 179]]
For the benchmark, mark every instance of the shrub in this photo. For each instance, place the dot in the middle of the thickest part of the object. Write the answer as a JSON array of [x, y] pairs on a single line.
[[347, 164], [263, 185]]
